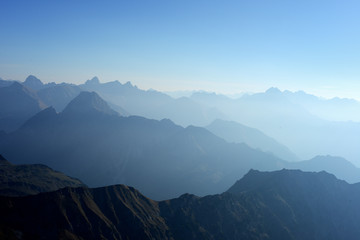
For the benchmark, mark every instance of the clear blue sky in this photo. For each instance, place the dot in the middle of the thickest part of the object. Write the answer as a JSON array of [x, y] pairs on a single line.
[[222, 46]]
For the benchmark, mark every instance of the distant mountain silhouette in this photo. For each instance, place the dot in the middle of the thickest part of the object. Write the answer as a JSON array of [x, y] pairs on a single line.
[[88, 103], [335, 109], [238, 133], [286, 204], [17, 104], [20, 180], [303, 122], [59, 96], [33, 82], [338, 166], [91, 142], [5, 83], [153, 104]]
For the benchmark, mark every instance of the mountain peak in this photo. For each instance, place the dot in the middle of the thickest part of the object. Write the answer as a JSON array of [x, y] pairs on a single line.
[[128, 85], [95, 80], [33, 82], [88, 103], [273, 90]]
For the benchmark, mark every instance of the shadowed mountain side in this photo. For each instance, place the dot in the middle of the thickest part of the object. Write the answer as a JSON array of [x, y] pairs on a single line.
[[238, 133], [159, 158], [286, 204], [20, 180], [116, 212], [17, 104]]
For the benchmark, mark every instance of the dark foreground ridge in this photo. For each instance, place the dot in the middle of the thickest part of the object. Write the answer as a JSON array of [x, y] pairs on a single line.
[[27, 179], [286, 204]]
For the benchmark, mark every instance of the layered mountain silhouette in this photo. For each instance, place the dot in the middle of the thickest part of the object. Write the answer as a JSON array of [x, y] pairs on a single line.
[[338, 166], [88, 103], [153, 104], [5, 83], [90, 141], [236, 132], [17, 104], [21, 180], [59, 96], [305, 123], [286, 204]]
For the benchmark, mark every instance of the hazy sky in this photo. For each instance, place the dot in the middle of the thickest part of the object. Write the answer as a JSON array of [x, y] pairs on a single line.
[[222, 46]]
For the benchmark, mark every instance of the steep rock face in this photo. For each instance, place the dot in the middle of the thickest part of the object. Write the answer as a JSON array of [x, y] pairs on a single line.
[[20, 180]]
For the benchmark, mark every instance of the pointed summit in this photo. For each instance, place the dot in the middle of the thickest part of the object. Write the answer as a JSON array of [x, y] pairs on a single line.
[[88, 103], [273, 90], [94, 81], [33, 83]]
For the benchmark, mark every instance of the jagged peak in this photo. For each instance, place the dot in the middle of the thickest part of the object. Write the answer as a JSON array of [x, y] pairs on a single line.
[[94, 80], [128, 85]]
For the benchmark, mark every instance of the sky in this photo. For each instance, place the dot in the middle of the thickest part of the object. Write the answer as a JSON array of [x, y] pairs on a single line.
[[221, 46]]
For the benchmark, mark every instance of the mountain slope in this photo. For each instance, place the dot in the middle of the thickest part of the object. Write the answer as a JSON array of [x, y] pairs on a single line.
[[88, 103], [159, 158], [236, 132], [17, 104], [59, 96], [33, 82], [286, 204], [20, 180], [338, 166], [116, 212]]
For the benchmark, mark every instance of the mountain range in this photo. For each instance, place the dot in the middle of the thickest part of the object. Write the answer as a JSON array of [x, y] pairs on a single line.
[[90, 141], [297, 120], [286, 204], [306, 124], [235, 132]]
